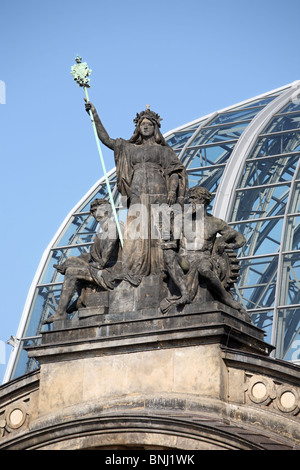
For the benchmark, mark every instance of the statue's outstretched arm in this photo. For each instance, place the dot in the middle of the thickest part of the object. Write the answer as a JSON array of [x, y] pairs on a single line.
[[102, 133]]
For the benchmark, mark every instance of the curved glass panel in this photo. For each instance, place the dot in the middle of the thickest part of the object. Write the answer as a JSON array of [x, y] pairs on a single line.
[[264, 320], [257, 285], [262, 237], [260, 201], [268, 170], [207, 155], [240, 115], [221, 133], [284, 122], [288, 333], [178, 140]]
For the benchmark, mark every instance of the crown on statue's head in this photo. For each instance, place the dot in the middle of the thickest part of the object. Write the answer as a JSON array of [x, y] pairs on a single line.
[[147, 114]]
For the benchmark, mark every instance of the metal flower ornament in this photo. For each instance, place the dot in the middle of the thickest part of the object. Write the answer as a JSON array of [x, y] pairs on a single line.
[[81, 72]]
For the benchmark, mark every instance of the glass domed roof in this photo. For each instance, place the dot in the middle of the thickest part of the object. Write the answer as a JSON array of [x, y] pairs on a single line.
[[247, 155]]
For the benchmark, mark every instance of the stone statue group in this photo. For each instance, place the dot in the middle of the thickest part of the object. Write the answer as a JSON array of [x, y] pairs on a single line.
[[168, 230]]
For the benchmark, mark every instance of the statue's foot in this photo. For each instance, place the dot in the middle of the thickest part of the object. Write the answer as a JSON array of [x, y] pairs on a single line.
[[236, 305], [60, 268], [133, 280], [229, 300], [167, 303], [73, 307], [165, 306], [183, 300], [246, 314], [52, 318]]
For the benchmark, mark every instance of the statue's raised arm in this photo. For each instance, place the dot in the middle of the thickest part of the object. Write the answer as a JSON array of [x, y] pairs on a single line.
[[101, 131]]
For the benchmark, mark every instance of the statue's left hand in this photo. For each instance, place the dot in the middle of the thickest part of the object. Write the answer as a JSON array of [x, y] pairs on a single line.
[[171, 198], [97, 265], [221, 246], [89, 106]]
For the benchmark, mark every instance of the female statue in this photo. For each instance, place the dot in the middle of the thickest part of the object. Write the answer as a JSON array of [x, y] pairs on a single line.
[[148, 172]]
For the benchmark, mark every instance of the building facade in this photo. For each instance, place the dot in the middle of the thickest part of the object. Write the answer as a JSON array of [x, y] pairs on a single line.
[[199, 378]]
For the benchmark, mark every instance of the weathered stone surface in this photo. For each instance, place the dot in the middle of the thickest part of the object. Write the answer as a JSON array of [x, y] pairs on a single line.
[[184, 371], [147, 295], [196, 380]]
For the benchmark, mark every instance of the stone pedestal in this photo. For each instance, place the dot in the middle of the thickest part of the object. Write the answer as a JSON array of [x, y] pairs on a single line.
[[149, 329], [200, 378]]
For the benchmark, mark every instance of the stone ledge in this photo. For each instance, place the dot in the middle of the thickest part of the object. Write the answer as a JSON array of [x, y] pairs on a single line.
[[199, 430], [149, 329], [278, 368], [24, 382]]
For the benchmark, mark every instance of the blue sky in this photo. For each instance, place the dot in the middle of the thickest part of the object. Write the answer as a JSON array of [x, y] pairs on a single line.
[[185, 59]]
